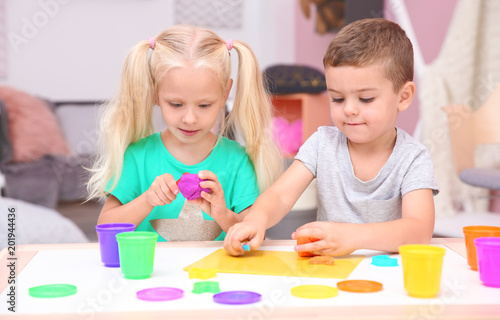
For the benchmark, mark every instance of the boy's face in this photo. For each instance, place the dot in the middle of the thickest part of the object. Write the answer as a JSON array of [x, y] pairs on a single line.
[[363, 104]]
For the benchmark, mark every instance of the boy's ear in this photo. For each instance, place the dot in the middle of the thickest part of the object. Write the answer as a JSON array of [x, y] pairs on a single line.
[[406, 95]]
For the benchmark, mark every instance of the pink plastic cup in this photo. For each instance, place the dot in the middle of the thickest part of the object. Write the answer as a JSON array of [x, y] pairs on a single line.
[[488, 260]]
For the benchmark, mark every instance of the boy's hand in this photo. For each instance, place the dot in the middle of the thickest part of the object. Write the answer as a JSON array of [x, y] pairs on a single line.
[[162, 191], [246, 231], [335, 239], [213, 203]]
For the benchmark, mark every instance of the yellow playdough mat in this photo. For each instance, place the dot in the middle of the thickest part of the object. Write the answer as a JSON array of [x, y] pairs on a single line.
[[276, 263]]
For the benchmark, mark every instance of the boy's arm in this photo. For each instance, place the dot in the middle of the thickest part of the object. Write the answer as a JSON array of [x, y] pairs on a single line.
[[280, 198], [415, 227], [228, 218], [269, 208]]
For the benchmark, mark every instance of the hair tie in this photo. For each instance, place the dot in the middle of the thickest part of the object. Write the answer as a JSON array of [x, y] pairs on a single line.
[[229, 44], [152, 43]]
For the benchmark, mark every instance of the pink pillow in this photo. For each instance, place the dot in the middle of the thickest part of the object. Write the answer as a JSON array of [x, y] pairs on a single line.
[[288, 136], [33, 127]]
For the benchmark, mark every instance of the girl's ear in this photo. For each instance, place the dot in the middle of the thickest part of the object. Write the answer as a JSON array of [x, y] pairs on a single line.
[[406, 95], [156, 97], [228, 89]]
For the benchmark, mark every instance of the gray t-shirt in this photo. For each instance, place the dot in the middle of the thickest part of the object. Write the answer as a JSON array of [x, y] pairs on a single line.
[[342, 197]]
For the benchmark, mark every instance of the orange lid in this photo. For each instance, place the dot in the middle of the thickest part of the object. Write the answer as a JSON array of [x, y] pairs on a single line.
[[359, 286]]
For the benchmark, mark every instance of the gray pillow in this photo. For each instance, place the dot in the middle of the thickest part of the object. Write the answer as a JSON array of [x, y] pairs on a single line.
[[5, 145], [480, 177]]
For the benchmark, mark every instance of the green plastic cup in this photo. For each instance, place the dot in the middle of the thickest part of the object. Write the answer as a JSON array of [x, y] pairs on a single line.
[[137, 253]]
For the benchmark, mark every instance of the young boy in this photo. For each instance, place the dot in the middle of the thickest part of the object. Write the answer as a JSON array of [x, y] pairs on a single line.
[[375, 182]]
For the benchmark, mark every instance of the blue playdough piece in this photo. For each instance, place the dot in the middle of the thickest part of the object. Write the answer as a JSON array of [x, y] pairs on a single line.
[[246, 247], [384, 261]]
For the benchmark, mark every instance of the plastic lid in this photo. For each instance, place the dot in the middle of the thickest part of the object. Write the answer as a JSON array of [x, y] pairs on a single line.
[[421, 250], [137, 236], [160, 294], [113, 227], [314, 292], [487, 241], [237, 297], [485, 231], [359, 286], [52, 291], [384, 261]]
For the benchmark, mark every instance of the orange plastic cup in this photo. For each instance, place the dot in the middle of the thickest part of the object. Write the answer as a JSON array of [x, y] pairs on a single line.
[[473, 232]]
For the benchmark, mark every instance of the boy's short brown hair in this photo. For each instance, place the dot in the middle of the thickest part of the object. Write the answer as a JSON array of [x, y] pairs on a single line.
[[369, 41]]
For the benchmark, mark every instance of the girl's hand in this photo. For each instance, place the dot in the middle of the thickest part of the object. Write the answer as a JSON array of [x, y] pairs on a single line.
[[162, 191], [335, 239], [213, 203]]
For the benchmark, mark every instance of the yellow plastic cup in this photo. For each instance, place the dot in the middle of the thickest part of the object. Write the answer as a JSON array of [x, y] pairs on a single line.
[[422, 267], [473, 232]]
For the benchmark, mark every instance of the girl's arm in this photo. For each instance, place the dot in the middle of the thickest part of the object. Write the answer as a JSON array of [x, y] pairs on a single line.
[[269, 208], [162, 191], [214, 203], [133, 212], [415, 227]]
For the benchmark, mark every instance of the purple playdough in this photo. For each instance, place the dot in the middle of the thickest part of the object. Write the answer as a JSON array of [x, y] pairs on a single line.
[[189, 186]]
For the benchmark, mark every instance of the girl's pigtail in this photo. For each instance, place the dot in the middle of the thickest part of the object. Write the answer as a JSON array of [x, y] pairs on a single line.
[[123, 120], [251, 116]]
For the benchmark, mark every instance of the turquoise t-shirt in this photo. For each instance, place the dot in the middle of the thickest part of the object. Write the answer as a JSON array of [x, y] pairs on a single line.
[[148, 158]]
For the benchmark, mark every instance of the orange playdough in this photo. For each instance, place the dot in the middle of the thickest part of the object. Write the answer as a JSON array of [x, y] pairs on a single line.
[[304, 240], [328, 260]]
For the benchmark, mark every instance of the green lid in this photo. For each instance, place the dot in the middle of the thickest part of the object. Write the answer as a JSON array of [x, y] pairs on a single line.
[[52, 291]]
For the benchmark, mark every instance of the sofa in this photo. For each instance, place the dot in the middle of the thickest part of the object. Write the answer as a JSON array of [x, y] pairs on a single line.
[[38, 163]]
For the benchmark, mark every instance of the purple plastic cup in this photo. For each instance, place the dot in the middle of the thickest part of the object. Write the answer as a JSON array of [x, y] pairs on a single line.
[[107, 241], [488, 260]]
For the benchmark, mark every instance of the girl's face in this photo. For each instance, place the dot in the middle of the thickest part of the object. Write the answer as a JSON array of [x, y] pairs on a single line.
[[190, 100], [363, 104]]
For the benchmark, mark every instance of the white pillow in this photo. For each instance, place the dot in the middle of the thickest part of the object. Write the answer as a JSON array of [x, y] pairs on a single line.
[[37, 224]]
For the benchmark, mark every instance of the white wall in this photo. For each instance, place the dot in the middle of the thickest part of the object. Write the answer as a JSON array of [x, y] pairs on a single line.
[[74, 49]]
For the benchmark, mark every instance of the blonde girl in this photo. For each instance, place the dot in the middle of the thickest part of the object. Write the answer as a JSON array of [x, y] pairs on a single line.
[[186, 72]]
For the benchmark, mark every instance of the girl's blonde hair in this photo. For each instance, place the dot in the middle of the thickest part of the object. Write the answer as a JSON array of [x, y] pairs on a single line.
[[128, 117]]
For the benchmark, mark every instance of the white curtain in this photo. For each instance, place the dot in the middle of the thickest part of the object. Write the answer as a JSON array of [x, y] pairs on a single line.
[[465, 72]]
